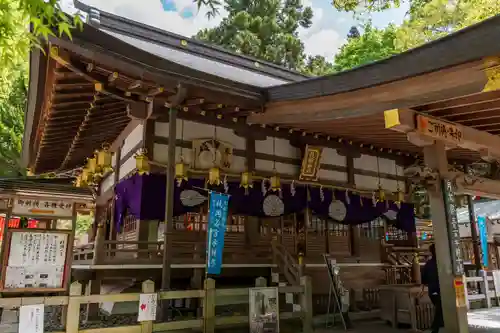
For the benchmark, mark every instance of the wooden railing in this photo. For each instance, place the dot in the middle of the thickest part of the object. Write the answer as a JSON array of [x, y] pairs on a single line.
[[184, 252], [398, 274], [209, 321], [286, 263], [482, 289]]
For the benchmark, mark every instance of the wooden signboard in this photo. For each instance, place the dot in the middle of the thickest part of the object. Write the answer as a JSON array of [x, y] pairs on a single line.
[[453, 227], [440, 130], [41, 207], [34, 260], [311, 163]]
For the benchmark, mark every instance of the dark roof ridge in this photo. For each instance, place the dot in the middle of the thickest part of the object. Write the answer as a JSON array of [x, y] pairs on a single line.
[[478, 40], [196, 47]]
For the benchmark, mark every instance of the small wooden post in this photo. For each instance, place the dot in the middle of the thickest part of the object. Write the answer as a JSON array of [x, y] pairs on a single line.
[[466, 292], [306, 304], [261, 282], [148, 287], [73, 310], [209, 308], [485, 288], [99, 250]]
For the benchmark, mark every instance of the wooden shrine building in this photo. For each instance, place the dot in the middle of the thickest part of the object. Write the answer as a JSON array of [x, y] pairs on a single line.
[[309, 162]]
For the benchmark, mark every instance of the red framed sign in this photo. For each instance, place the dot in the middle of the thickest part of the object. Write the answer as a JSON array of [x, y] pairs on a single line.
[[35, 260]]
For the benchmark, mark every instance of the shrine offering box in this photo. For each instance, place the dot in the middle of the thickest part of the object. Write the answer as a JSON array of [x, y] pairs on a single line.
[[34, 260]]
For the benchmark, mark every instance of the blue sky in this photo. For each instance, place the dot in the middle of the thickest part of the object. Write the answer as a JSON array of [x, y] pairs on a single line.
[[327, 34]]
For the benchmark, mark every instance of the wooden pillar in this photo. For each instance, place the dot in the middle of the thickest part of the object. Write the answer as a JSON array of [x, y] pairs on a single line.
[[143, 238], [69, 258], [93, 287], [473, 233], [99, 246], [169, 200], [351, 181], [455, 318]]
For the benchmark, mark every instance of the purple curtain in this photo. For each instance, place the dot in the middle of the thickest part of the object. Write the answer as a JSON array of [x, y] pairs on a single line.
[[144, 197]]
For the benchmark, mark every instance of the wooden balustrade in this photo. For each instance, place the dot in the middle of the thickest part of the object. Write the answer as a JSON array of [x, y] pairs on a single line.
[[398, 274], [286, 263], [210, 297], [187, 249]]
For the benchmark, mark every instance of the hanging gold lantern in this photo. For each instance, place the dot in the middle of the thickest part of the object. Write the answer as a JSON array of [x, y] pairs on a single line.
[[92, 164], [380, 194], [104, 157], [142, 163], [275, 182], [214, 176], [400, 197], [85, 177], [246, 181], [96, 178], [180, 172], [78, 181]]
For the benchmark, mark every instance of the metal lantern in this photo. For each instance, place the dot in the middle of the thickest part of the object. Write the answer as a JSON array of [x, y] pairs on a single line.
[[180, 173], [246, 181], [275, 183], [104, 159], [142, 163], [214, 176]]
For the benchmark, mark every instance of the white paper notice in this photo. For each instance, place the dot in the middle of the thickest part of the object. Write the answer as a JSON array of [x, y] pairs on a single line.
[[31, 318], [147, 307], [289, 298], [297, 308], [14, 277], [275, 277]]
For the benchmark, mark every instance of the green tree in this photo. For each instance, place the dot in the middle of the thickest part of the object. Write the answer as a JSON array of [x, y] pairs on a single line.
[[438, 18], [265, 29], [12, 104], [83, 223], [317, 66], [16, 16], [430, 20], [372, 45]]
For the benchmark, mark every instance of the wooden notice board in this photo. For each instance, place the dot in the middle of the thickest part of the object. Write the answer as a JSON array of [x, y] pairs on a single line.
[[34, 260]]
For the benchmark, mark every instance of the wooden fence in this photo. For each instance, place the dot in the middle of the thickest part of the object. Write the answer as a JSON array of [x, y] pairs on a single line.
[[208, 321], [482, 289]]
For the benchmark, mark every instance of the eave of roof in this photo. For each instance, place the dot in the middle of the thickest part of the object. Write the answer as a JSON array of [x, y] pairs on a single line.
[[36, 89], [470, 44], [104, 48], [44, 186], [188, 46]]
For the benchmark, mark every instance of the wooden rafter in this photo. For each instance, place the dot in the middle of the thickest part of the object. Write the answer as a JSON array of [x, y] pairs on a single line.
[[76, 138], [46, 107], [63, 59]]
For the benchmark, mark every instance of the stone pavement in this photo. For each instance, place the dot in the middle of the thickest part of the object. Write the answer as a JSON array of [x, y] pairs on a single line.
[[480, 321], [484, 320]]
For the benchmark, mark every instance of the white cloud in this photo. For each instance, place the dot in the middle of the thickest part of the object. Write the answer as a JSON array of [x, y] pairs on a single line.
[[324, 42], [317, 40]]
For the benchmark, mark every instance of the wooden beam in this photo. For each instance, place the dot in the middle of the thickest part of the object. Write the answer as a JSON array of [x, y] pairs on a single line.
[[423, 130], [475, 186]]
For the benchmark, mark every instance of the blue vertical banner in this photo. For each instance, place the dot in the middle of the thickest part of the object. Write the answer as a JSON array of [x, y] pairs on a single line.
[[217, 220], [483, 238]]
